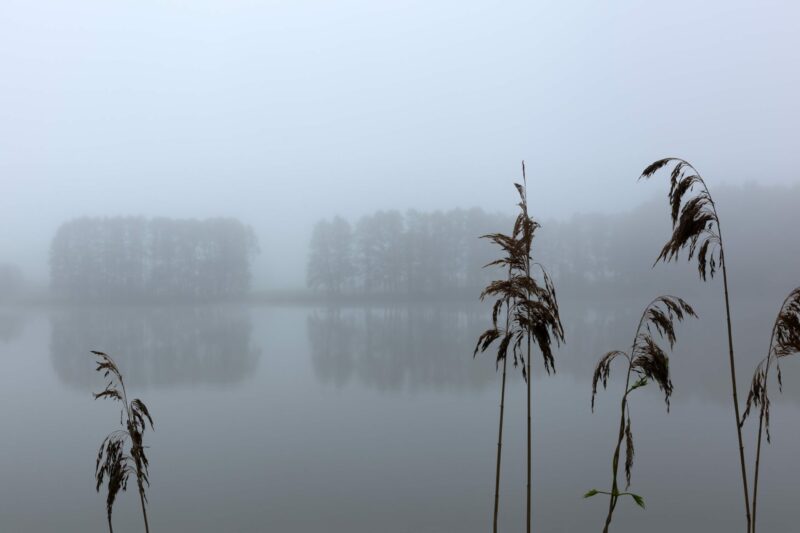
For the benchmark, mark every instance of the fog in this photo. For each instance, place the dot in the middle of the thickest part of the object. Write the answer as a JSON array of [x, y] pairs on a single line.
[[269, 214], [280, 113]]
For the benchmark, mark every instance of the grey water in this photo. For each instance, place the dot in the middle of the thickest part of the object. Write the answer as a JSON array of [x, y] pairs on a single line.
[[377, 418]]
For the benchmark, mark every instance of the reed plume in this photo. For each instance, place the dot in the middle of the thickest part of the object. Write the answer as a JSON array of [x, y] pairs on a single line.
[[696, 228], [784, 341], [647, 361], [113, 463], [505, 335], [531, 310]]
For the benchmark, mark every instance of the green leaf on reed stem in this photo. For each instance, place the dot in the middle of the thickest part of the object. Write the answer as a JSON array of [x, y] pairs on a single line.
[[638, 499]]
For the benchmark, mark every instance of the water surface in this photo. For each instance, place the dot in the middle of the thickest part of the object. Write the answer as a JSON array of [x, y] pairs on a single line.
[[375, 418]]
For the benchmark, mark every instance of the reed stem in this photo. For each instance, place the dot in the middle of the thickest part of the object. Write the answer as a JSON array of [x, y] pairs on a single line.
[[144, 509], [612, 504], [758, 461], [733, 382], [499, 448], [528, 374]]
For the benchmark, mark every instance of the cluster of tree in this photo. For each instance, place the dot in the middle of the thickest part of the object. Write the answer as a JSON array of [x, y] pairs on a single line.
[[612, 253], [133, 258], [389, 252], [587, 255]]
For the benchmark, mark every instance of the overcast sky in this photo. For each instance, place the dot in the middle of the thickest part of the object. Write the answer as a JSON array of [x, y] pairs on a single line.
[[280, 113]]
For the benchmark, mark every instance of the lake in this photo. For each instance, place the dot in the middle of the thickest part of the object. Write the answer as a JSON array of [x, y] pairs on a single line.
[[297, 418]]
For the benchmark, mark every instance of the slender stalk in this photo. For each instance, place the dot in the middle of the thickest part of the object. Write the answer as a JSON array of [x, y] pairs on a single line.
[[500, 428], [612, 502], [762, 411], [761, 422], [499, 448], [138, 467], [144, 509], [693, 224], [534, 312], [733, 380], [650, 363], [117, 465], [528, 374], [136, 442], [758, 460]]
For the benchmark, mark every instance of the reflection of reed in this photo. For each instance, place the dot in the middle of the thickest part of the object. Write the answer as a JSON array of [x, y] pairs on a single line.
[[156, 346], [403, 348]]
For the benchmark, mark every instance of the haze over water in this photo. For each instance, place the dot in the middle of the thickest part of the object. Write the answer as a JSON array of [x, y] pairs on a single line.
[[177, 182]]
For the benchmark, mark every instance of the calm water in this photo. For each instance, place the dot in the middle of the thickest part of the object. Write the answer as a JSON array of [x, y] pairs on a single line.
[[364, 419]]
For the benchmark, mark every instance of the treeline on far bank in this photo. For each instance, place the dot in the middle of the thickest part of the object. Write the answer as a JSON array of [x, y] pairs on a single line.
[[140, 259], [418, 254]]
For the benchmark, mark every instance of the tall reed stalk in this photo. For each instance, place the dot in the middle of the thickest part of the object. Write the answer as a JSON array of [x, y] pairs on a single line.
[[484, 341], [647, 361], [696, 227], [532, 315], [113, 463], [784, 341]]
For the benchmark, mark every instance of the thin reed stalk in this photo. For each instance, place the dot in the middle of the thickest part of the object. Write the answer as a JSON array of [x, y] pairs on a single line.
[[696, 227], [647, 361], [784, 341], [532, 315], [113, 464], [499, 450], [485, 340]]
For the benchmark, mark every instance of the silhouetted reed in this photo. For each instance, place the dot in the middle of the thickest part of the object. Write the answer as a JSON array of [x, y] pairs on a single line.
[[696, 227], [647, 361], [532, 316], [113, 463], [784, 341], [506, 335]]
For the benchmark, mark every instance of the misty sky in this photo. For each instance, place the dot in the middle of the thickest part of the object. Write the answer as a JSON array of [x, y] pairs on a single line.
[[280, 113]]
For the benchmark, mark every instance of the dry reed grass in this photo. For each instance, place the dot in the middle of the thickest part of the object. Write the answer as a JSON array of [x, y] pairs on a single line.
[[531, 316], [647, 361], [114, 465]]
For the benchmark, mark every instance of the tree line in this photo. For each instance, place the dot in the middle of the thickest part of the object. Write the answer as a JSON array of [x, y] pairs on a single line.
[[134, 258], [390, 252], [588, 255]]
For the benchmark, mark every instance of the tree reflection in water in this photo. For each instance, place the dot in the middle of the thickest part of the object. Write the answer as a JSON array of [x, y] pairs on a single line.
[[408, 348], [11, 326], [157, 346], [429, 347]]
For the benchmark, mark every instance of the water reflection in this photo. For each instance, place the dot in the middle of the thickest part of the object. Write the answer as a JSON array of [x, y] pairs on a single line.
[[408, 348], [699, 361], [11, 326], [430, 347], [156, 347]]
